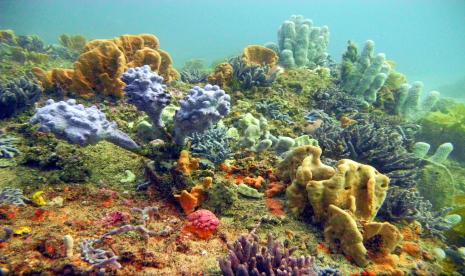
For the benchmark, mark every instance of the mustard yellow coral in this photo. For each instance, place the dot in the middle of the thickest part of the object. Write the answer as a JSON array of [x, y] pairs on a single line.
[[341, 199], [99, 68], [259, 56], [222, 75]]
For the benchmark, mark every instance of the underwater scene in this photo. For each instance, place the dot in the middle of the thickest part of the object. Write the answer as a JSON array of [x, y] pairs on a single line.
[[321, 138]]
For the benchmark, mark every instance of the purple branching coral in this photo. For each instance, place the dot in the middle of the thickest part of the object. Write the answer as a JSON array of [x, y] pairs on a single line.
[[200, 110], [336, 102], [408, 204], [12, 196], [99, 258], [145, 90], [247, 257], [7, 236], [371, 142], [80, 125]]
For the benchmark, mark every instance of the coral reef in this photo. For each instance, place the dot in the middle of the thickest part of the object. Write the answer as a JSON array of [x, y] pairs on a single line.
[[17, 96], [259, 55], [251, 75], [248, 191], [212, 144], [408, 101], [79, 125], [63, 162], [200, 110], [445, 126], [382, 145], [301, 44], [437, 182], [186, 164], [247, 257], [256, 67], [320, 153], [7, 146], [99, 258], [99, 68], [145, 90], [73, 42], [194, 71], [254, 135], [408, 204], [272, 110], [336, 102], [12, 196]]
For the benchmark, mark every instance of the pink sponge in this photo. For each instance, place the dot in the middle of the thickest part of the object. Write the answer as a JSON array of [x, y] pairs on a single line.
[[202, 223]]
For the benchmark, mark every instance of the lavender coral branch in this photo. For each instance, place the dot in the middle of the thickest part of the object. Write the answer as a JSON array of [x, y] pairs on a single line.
[[7, 146], [145, 90], [98, 257], [80, 125], [200, 110], [246, 257], [12, 196]]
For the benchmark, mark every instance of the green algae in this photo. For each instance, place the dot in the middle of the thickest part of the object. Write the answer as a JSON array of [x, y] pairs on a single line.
[[446, 126]]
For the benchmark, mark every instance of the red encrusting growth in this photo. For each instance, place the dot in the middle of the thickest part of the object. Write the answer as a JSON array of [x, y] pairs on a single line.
[[202, 223]]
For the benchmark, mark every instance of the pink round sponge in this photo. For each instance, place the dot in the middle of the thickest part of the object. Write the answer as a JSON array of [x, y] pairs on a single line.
[[202, 223]]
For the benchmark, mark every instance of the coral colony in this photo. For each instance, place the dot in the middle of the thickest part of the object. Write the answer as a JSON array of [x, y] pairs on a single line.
[[277, 161]]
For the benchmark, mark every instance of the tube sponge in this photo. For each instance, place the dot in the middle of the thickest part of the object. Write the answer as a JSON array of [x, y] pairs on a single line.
[[420, 149], [442, 152], [301, 44], [365, 74]]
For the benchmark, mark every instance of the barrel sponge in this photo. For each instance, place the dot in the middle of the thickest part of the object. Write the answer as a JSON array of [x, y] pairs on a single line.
[[361, 182], [99, 68], [257, 55]]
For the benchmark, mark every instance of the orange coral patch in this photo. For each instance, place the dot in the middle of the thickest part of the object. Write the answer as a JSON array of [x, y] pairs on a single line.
[[254, 182], [274, 188], [412, 249], [275, 206], [186, 164]]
